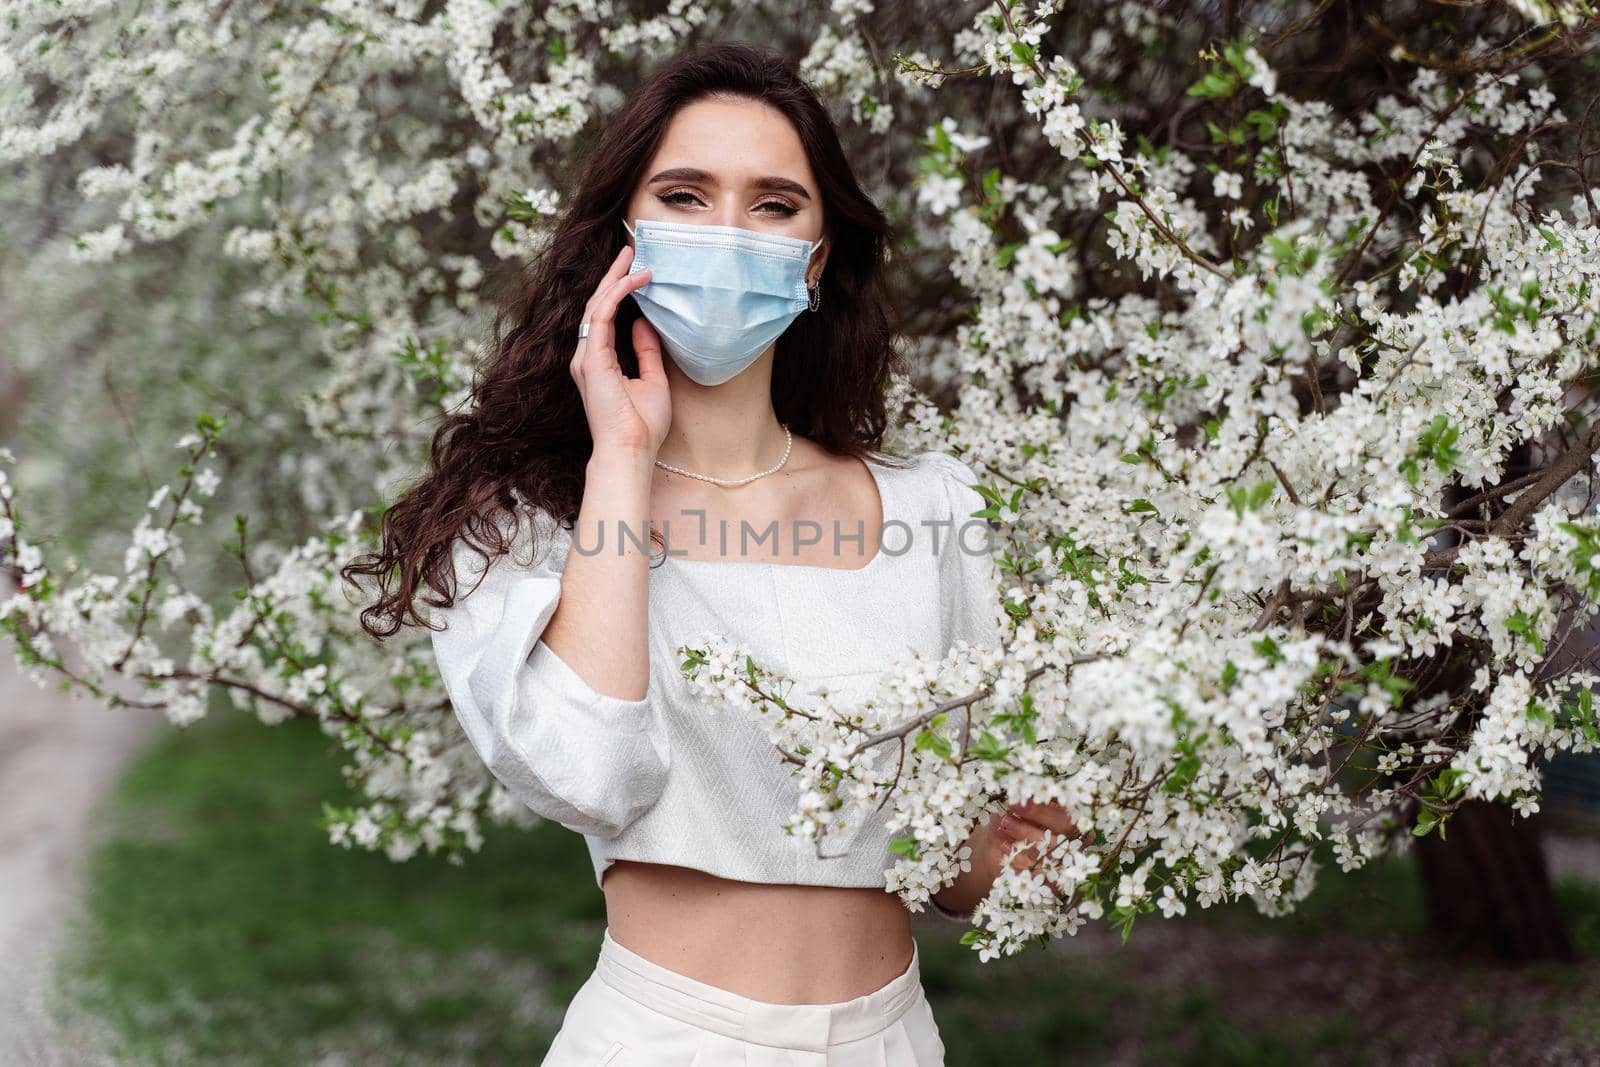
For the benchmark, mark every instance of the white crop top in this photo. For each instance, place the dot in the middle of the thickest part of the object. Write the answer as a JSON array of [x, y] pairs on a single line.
[[666, 779]]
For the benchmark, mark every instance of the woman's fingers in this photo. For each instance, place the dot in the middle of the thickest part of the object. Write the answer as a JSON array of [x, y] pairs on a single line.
[[616, 270], [1028, 858], [620, 410], [1027, 825], [1025, 858], [647, 347], [1050, 815], [1029, 822], [602, 314]]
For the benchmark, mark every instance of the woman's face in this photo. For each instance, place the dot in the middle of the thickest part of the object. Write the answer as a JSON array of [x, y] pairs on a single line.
[[733, 162]]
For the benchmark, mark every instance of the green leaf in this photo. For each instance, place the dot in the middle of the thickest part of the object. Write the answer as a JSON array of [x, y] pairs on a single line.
[[927, 739], [988, 747], [905, 846], [1522, 623], [1215, 85], [1230, 674]]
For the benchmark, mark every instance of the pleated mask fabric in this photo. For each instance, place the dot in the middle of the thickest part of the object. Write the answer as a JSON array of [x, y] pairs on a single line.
[[718, 295]]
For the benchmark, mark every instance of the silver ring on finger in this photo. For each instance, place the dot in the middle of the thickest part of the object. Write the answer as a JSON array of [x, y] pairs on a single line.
[[583, 330]]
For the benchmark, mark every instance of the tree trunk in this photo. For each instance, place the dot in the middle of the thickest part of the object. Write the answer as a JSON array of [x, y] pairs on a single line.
[[1487, 888], [1486, 885]]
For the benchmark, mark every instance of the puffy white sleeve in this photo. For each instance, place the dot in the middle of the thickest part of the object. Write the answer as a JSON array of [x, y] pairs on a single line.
[[969, 558], [593, 763]]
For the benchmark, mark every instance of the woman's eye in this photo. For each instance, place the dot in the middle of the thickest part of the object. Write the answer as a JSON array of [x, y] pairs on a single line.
[[684, 198]]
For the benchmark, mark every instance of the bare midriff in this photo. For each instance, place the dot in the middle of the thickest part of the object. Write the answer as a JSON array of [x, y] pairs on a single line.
[[783, 944]]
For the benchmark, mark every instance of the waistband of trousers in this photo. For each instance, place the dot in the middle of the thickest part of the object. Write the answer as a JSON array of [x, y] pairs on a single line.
[[808, 1027]]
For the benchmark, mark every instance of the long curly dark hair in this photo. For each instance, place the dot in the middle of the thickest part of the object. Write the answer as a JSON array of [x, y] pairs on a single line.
[[524, 433]]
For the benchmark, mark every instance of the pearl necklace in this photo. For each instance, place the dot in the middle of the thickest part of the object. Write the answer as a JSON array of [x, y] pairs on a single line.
[[735, 481]]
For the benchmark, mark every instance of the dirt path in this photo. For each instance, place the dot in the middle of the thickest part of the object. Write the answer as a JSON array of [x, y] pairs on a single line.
[[59, 753]]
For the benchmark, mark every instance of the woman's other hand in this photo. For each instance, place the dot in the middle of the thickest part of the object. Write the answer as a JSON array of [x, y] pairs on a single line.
[[625, 414], [1027, 822], [994, 837]]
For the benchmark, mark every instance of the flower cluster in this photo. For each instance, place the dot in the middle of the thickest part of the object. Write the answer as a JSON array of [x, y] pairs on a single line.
[[1280, 411]]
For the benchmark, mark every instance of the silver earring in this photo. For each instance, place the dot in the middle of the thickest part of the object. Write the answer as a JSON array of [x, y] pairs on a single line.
[[815, 294]]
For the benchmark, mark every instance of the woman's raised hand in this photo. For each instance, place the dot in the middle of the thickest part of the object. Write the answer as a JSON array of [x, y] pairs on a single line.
[[624, 413]]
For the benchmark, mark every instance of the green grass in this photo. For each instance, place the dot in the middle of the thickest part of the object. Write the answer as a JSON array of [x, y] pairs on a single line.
[[1039, 1009], [1579, 903], [221, 927]]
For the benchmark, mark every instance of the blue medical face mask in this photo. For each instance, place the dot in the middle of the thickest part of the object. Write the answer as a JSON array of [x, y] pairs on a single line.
[[718, 295]]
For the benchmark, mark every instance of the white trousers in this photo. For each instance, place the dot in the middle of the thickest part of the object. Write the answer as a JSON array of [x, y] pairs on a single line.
[[632, 1012]]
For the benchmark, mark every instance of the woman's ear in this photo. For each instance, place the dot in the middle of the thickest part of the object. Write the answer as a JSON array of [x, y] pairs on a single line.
[[819, 259]]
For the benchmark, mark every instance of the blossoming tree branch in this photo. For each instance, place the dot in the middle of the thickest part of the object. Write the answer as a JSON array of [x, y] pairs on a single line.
[[1279, 397]]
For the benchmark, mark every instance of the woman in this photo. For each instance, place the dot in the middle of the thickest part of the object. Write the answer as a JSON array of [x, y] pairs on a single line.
[[718, 219]]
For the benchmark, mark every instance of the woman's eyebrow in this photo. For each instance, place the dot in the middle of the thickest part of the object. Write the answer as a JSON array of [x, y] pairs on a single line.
[[695, 174]]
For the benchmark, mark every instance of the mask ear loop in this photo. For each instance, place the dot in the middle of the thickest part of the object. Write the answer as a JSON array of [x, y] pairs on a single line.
[[635, 244], [814, 292]]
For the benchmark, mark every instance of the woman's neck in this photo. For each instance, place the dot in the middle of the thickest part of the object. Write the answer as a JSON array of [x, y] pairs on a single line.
[[726, 432]]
